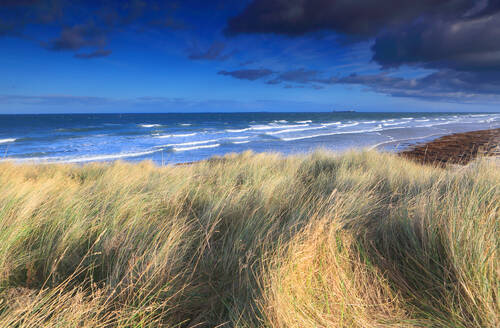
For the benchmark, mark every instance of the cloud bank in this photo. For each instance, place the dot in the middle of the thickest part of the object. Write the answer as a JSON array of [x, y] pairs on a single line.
[[457, 38], [84, 24], [247, 74]]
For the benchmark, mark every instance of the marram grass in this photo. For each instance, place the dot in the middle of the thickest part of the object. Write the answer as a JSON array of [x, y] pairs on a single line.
[[361, 239]]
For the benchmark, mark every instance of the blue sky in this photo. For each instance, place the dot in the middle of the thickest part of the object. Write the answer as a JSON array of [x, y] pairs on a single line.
[[59, 56]]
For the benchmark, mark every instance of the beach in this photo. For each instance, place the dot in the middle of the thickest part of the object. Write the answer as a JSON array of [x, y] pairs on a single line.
[[459, 148]]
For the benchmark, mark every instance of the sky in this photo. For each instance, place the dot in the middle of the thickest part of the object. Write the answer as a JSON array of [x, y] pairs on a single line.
[[118, 56]]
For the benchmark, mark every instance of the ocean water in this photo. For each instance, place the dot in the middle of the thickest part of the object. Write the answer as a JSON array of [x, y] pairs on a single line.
[[178, 138]]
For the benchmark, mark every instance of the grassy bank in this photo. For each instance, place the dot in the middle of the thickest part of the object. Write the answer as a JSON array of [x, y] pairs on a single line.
[[356, 240]]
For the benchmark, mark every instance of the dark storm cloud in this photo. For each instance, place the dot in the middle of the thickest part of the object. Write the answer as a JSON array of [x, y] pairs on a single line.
[[447, 85], [292, 79], [7, 3], [170, 23], [459, 38], [215, 52], [7, 29], [94, 54], [362, 17], [464, 44], [15, 15], [247, 74], [461, 34], [82, 23]]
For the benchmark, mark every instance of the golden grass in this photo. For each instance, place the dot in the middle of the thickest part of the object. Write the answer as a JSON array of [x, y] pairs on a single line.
[[361, 239]]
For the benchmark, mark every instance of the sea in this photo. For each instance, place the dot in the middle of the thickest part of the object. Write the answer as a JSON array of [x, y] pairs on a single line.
[[181, 138]]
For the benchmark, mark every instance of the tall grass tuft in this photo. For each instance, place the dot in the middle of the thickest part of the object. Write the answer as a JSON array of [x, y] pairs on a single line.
[[360, 239]]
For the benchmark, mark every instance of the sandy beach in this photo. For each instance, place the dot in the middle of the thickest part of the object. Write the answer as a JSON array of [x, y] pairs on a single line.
[[458, 148]]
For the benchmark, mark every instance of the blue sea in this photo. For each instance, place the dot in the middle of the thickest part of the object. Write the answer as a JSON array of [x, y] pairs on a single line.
[[178, 138]]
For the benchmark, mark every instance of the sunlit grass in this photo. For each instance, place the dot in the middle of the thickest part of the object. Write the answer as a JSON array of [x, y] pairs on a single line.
[[361, 239]]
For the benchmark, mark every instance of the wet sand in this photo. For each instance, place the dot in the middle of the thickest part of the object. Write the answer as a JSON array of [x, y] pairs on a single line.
[[459, 148]]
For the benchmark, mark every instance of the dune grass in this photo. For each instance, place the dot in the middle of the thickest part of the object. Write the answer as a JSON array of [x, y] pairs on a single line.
[[361, 239]]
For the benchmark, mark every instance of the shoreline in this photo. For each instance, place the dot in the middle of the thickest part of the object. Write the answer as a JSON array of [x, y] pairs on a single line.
[[456, 148], [189, 138]]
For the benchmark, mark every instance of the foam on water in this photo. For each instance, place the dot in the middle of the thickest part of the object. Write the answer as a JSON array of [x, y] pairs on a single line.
[[436, 124], [191, 143], [237, 130], [392, 140], [149, 125], [348, 125], [195, 147], [296, 130], [7, 140], [274, 127], [166, 136], [109, 157], [331, 134], [238, 138], [82, 159], [394, 124], [184, 135]]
